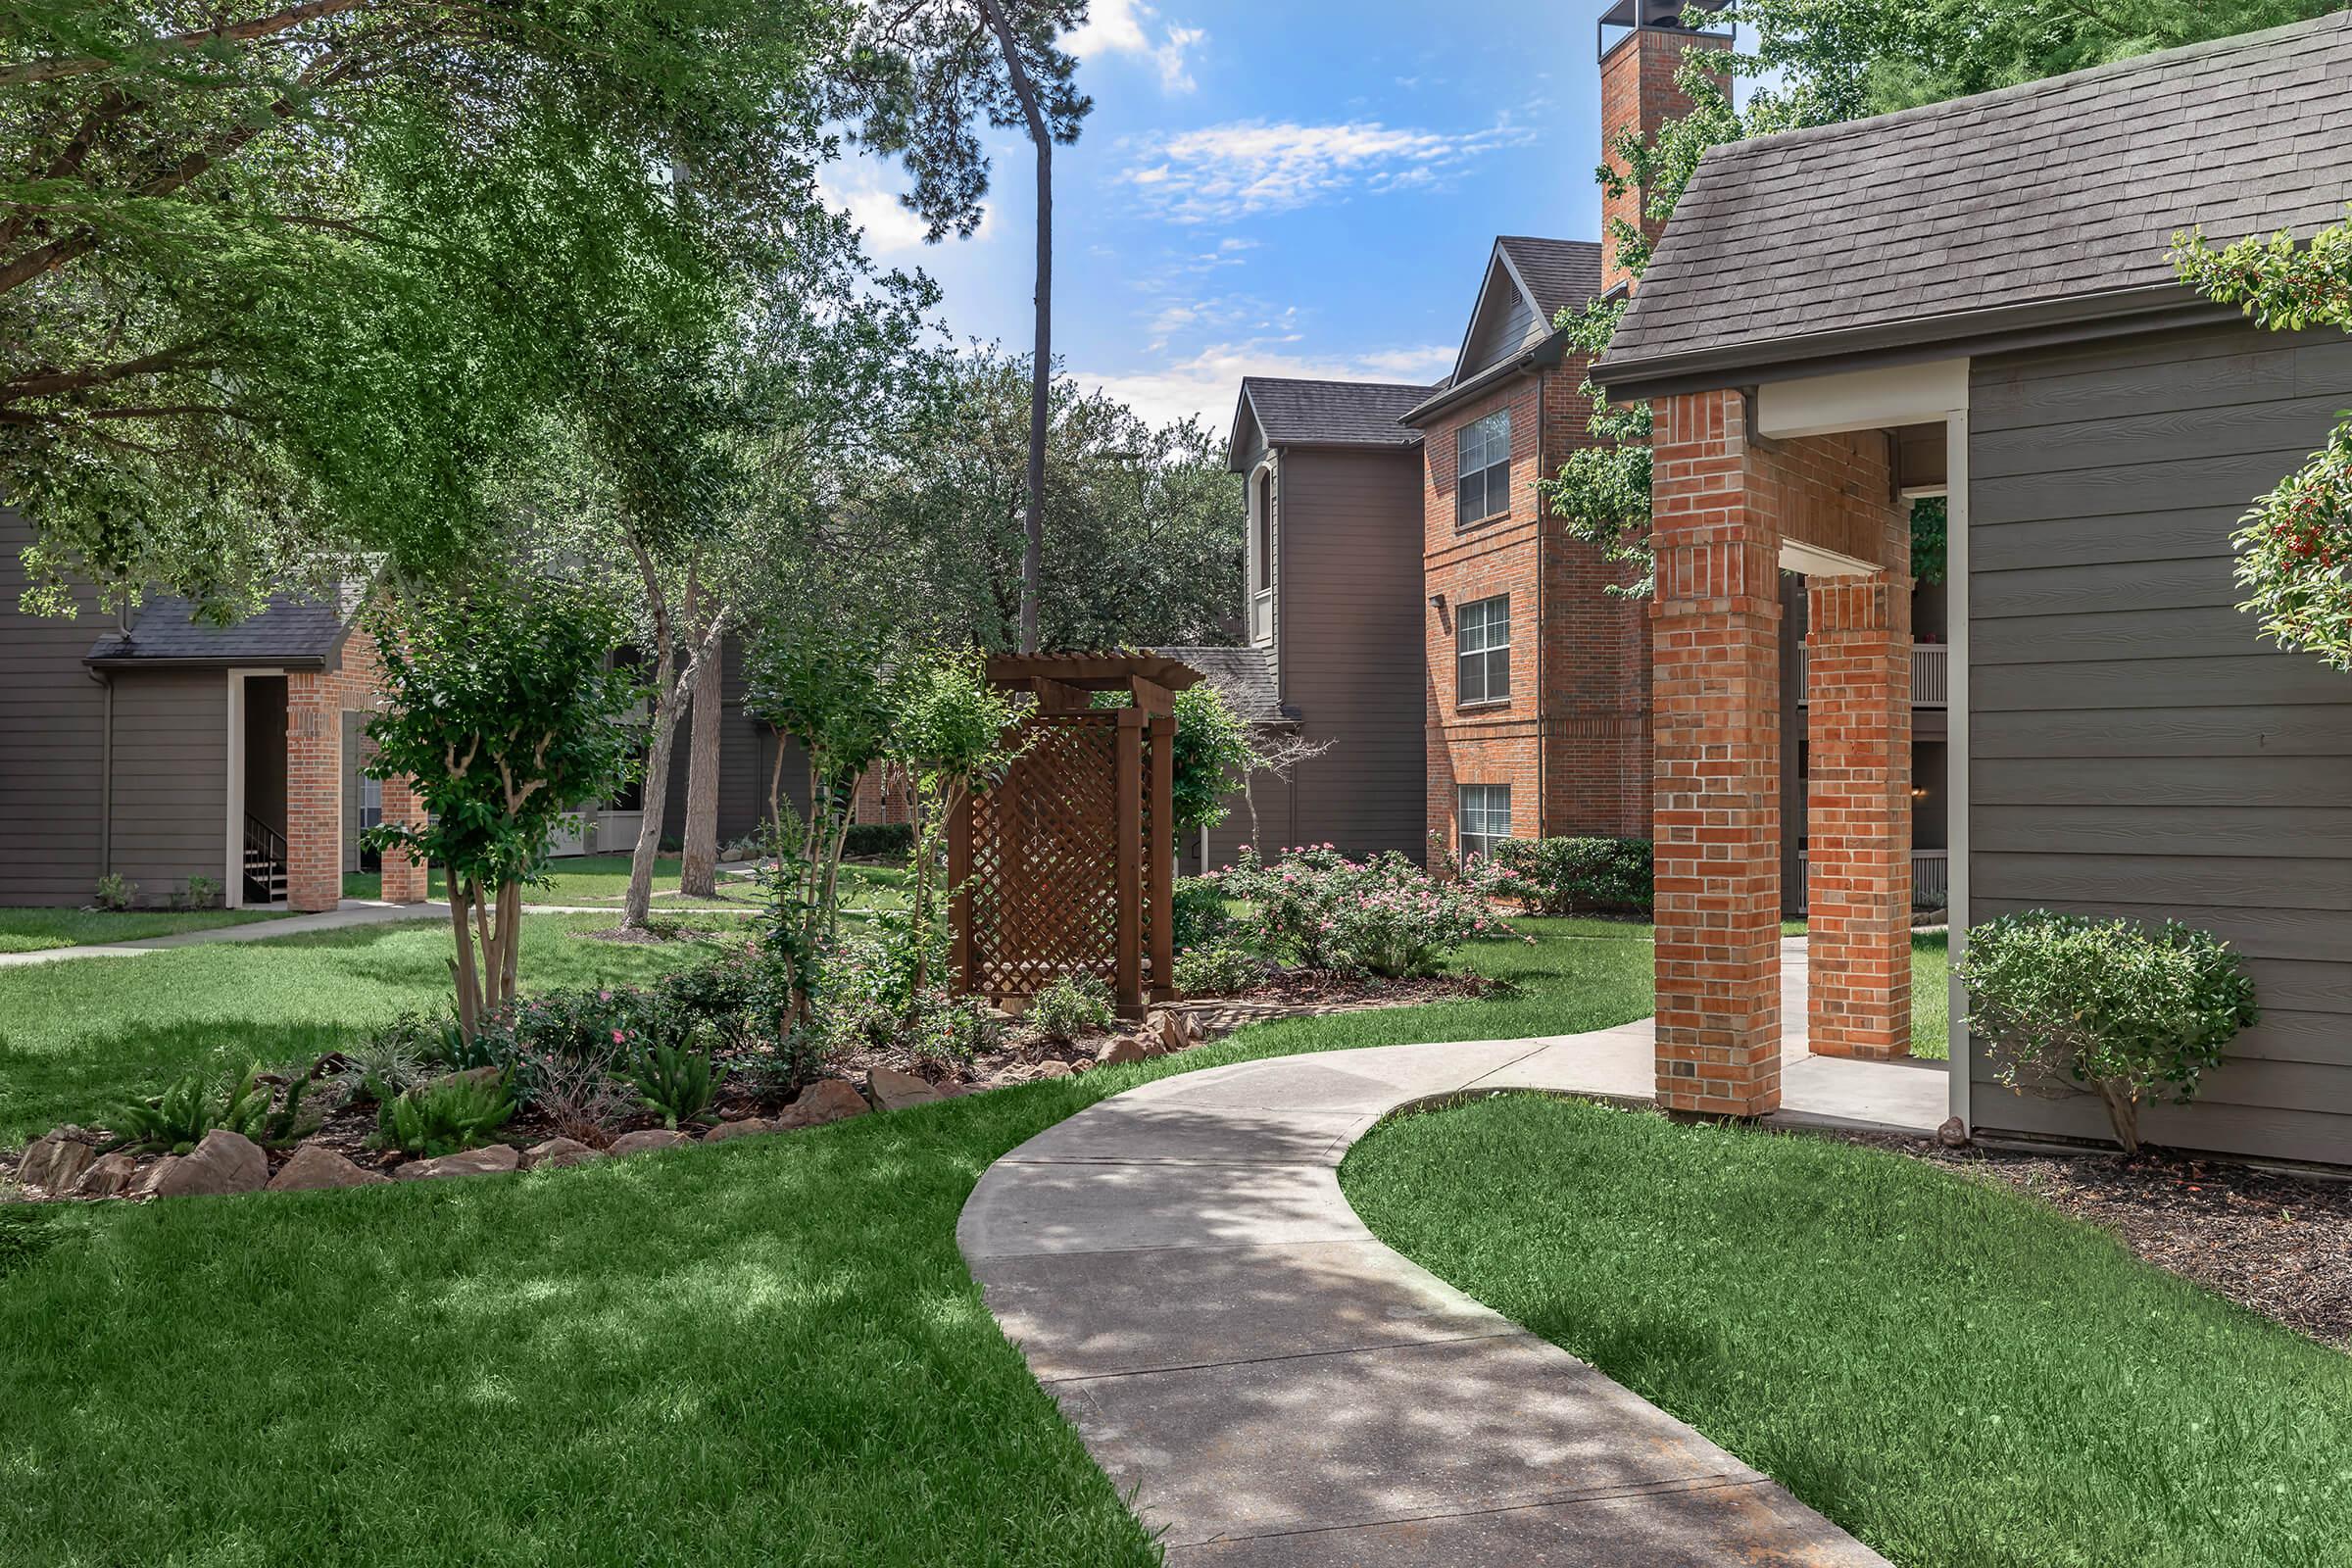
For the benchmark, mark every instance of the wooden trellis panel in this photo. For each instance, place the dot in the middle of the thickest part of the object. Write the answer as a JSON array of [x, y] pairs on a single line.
[[1060, 869]]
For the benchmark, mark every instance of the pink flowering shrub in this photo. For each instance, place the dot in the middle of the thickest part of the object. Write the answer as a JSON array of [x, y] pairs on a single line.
[[1384, 916]]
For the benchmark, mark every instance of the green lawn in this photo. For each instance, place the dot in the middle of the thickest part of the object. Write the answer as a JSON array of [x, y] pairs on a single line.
[[1931, 997], [76, 1036], [38, 930], [1957, 1374], [603, 880], [767, 1351]]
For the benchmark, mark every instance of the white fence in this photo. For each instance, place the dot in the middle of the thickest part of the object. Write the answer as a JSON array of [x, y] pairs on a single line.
[[1930, 675], [1930, 880]]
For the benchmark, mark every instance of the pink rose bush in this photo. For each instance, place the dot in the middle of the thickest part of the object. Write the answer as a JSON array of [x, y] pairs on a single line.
[[1383, 916]]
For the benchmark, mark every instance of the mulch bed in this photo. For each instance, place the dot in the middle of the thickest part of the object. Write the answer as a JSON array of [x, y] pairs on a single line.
[[2277, 1243]]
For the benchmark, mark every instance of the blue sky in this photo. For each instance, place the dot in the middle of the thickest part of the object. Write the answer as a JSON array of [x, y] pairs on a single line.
[[1275, 188]]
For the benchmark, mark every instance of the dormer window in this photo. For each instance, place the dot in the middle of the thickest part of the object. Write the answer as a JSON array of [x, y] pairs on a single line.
[[1483, 470]]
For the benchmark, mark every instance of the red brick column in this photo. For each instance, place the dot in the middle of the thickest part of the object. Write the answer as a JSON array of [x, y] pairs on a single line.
[[1715, 687], [405, 879], [1858, 678], [313, 791]]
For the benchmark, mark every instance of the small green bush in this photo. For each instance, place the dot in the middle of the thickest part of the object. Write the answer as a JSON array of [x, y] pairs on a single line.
[[176, 1120], [1576, 876], [675, 1082], [2130, 1014], [1072, 1006], [1384, 916], [879, 840], [953, 1029], [117, 893], [1202, 919], [448, 1115], [1217, 971]]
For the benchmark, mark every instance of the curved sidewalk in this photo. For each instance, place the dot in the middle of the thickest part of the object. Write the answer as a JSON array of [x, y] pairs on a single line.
[[1272, 1386]]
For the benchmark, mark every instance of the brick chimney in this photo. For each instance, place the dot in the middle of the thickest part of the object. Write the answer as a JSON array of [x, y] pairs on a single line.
[[1641, 47]]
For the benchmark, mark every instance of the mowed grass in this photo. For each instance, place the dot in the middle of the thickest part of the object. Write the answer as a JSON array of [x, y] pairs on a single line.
[[1931, 997], [78, 1035], [766, 1352], [1959, 1375], [39, 930], [602, 881]]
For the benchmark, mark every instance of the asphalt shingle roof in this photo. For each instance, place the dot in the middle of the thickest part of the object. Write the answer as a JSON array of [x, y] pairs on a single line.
[[1242, 676], [2029, 196], [291, 629], [1332, 413], [1561, 273]]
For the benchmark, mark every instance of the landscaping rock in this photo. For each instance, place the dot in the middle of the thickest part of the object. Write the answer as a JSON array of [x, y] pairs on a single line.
[[828, 1100], [316, 1167], [649, 1139], [1172, 1030], [145, 1183], [892, 1089], [1050, 1069], [225, 1162], [55, 1164], [109, 1177], [749, 1127], [1126, 1047], [496, 1161], [1953, 1134], [557, 1153]]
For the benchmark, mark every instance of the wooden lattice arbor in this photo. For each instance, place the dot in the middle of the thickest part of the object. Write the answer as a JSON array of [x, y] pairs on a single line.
[[1068, 866]]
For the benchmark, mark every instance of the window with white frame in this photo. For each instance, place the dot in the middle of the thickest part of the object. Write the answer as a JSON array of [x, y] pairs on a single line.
[[1483, 468], [1482, 640], [1485, 817]]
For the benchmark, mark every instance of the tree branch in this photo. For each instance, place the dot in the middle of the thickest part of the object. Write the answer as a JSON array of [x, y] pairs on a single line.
[[292, 16]]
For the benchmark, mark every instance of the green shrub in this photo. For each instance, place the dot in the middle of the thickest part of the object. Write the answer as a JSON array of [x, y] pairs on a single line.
[[448, 1115], [1384, 916], [1202, 919], [117, 893], [675, 1082], [1217, 971], [176, 1120], [953, 1029], [2130, 1014], [1574, 876], [879, 840], [1072, 1006]]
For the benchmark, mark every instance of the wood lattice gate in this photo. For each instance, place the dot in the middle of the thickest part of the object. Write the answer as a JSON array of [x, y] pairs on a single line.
[[1068, 866]]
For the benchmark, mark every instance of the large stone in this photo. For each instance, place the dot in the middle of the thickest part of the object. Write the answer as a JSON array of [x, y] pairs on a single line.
[[1174, 1031], [316, 1167], [1050, 1069], [827, 1100], [649, 1139], [494, 1160], [150, 1178], [749, 1127], [225, 1162], [892, 1089], [55, 1164], [109, 1176], [557, 1153], [1126, 1047]]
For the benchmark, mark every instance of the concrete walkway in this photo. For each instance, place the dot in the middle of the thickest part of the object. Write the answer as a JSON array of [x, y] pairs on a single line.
[[1272, 1386]]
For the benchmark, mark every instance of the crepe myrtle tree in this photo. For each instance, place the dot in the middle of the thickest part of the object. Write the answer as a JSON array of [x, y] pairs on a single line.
[[2294, 548], [500, 705]]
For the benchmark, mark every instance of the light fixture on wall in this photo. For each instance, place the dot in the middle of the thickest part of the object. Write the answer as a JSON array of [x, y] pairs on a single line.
[[1437, 602], [1918, 791]]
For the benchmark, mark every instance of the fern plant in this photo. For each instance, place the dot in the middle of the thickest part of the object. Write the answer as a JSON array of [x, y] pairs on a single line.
[[176, 1120], [448, 1115], [676, 1082]]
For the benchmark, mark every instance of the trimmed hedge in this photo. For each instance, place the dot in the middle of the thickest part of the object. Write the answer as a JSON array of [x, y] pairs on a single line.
[[1576, 876], [877, 839]]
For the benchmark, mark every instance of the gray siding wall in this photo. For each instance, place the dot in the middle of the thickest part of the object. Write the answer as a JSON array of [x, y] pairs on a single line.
[[51, 739], [1352, 607], [2134, 750], [171, 778]]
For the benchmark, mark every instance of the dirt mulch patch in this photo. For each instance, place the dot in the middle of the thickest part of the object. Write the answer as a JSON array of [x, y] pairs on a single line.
[[2279, 1245]]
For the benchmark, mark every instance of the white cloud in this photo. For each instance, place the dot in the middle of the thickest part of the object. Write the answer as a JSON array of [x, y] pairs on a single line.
[[1206, 384], [867, 188], [1221, 173], [1126, 27]]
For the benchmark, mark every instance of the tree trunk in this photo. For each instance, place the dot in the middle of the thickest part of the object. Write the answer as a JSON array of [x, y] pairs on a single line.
[[698, 865], [1041, 365]]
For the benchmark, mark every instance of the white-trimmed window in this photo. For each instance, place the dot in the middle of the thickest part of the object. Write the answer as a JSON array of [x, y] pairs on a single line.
[[1485, 817], [1483, 468], [1482, 640]]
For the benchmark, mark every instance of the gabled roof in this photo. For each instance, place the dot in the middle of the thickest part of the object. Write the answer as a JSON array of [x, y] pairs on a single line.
[[2055, 200], [1526, 283], [1323, 414], [1244, 677], [293, 629]]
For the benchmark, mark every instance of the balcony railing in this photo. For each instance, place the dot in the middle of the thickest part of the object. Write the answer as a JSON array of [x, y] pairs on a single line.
[[1930, 880], [1261, 617], [1930, 675]]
